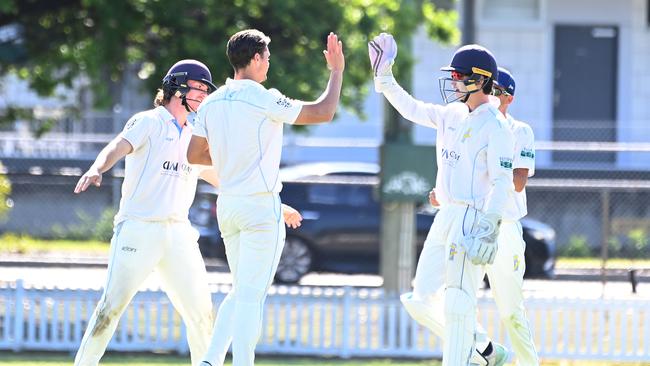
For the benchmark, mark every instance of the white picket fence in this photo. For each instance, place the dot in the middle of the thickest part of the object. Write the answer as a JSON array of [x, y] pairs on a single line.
[[341, 322]]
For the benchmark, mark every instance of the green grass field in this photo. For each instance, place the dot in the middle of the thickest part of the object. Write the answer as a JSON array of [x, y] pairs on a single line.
[[17, 244], [115, 359]]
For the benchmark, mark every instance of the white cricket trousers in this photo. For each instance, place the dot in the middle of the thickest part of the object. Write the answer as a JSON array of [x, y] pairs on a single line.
[[506, 277], [446, 283], [138, 248], [426, 303], [253, 233]]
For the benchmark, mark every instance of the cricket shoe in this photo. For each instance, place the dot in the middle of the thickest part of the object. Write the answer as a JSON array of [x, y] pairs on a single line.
[[494, 355]]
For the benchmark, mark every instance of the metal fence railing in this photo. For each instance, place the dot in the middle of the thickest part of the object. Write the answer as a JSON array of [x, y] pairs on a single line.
[[343, 322]]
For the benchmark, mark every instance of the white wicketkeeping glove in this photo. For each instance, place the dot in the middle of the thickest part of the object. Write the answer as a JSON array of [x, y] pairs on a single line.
[[481, 243], [382, 51]]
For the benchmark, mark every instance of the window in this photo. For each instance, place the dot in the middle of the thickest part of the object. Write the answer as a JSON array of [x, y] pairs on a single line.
[[508, 10]]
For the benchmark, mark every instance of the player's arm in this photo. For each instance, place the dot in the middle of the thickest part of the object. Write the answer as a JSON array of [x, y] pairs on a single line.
[[520, 178], [209, 175], [324, 108], [524, 159], [499, 163], [118, 148], [198, 152], [383, 51], [481, 245]]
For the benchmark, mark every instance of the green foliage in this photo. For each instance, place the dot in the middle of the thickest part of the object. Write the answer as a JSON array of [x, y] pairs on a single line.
[[88, 228], [100, 38], [14, 243], [638, 239], [577, 247], [5, 190]]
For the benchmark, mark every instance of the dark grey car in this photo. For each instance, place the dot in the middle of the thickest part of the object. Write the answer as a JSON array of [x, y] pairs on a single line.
[[341, 223]]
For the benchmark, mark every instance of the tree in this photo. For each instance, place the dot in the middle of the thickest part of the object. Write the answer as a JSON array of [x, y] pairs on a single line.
[[61, 40]]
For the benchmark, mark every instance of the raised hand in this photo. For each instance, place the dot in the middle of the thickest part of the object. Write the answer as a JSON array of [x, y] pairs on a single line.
[[382, 51], [334, 53]]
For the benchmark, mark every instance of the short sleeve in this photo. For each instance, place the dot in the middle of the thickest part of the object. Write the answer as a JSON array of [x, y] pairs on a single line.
[[280, 108], [137, 129], [524, 148], [199, 123]]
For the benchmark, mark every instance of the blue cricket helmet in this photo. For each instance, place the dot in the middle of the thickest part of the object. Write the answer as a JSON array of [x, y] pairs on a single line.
[[473, 59], [184, 70], [506, 81]]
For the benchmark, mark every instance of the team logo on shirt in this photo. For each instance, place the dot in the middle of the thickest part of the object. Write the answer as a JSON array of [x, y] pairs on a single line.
[[450, 157], [516, 262], [466, 135], [505, 162], [129, 125], [283, 102], [452, 251], [177, 169], [528, 153]]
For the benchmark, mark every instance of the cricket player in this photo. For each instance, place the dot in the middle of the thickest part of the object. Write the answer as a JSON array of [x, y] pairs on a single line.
[[506, 274], [474, 148], [239, 131], [152, 229]]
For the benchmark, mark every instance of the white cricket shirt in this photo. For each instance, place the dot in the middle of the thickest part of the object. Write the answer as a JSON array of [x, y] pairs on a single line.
[[524, 157], [243, 123], [159, 184], [474, 151]]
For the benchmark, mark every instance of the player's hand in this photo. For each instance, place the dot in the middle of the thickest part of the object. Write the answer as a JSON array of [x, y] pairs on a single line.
[[292, 217], [481, 243], [334, 53], [92, 176], [382, 51], [432, 198]]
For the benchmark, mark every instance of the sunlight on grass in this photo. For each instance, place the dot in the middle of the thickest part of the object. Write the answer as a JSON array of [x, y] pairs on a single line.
[[564, 262], [113, 359], [24, 244]]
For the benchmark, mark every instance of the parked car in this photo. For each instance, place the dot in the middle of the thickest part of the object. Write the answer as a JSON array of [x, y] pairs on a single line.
[[341, 223]]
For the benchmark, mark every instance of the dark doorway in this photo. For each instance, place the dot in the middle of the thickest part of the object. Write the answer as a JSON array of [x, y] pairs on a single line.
[[584, 89]]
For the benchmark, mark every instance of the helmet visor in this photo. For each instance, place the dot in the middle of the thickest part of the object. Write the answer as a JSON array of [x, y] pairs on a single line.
[[452, 90]]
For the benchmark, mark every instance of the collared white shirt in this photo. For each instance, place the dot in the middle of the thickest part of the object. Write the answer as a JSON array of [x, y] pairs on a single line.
[[159, 183], [474, 151], [524, 157], [243, 123]]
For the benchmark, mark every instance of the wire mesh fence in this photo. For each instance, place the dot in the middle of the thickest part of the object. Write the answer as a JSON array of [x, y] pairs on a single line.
[[588, 205]]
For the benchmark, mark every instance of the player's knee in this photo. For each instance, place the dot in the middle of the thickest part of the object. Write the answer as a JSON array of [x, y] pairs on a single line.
[[458, 303], [106, 314]]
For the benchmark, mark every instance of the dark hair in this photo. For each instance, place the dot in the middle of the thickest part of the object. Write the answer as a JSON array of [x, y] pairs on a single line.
[[243, 46], [487, 87]]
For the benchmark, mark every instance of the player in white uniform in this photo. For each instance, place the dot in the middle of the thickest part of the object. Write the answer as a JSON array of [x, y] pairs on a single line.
[[239, 131], [507, 271], [474, 154], [506, 274], [152, 230]]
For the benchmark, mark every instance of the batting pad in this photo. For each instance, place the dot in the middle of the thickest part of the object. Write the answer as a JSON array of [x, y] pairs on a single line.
[[460, 312]]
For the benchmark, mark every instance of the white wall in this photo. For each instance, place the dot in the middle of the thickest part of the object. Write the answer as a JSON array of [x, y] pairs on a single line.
[[527, 48]]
